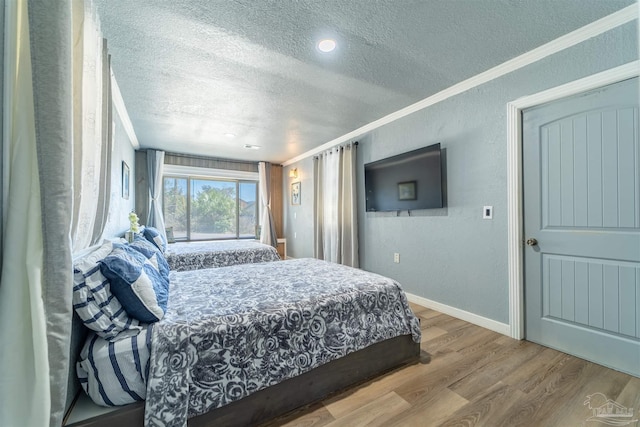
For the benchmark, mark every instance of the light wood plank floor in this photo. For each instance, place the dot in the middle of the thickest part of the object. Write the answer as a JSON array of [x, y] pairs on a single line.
[[470, 376]]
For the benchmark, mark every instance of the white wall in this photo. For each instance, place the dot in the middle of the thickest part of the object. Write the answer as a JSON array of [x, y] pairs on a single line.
[[119, 208]]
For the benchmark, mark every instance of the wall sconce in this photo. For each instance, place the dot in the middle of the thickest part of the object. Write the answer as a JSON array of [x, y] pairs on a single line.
[[293, 173]]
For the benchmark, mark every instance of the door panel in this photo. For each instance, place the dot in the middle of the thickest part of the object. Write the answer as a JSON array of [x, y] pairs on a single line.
[[581, 163]]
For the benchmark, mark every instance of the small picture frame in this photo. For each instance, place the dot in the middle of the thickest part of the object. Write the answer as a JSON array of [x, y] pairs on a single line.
[[295, 193], [407, 190], [125, 180]]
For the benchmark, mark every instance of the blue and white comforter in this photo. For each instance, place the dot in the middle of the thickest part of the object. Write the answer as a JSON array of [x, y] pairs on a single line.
[[229, 332], [185, 256]]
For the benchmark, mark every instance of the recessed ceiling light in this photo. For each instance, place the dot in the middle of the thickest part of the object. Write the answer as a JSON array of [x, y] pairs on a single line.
[[230, 135], [251, 147], [326, 45]]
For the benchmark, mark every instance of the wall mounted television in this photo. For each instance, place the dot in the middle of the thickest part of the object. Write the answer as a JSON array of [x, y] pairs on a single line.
[[405, 182]]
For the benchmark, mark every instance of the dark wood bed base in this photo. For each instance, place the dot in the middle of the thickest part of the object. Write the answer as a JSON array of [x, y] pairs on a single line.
[[277, 400]]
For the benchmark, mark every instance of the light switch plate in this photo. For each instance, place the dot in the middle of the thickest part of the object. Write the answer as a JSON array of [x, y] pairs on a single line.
[[487, 212]]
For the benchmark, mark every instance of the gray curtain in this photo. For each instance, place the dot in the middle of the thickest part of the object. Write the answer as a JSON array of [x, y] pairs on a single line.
[[268, 232], [336, 213], [155, 162], [50, 26], [2, 6], [104, 198]]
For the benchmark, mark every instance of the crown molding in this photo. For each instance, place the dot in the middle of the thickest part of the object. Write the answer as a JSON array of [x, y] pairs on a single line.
[[118, 104], [573, 38]]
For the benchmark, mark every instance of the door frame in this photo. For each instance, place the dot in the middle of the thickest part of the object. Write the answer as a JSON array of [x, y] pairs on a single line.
[[515, 212]]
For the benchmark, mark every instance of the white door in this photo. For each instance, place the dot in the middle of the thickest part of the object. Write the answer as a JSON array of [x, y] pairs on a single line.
[[581, 163]]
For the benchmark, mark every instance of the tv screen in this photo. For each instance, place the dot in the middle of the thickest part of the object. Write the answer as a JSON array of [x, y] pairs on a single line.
[[408, 181]]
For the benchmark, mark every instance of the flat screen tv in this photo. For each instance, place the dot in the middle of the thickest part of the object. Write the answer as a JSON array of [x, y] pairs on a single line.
[[408, 181]]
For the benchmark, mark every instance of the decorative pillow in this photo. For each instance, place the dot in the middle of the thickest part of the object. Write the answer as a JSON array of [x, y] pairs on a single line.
[[153, 235], [148, 249], [137, 283], [93, 300]]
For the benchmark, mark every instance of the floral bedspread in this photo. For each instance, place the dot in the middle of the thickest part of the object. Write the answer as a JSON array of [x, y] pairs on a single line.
[[231, 331], [185, 256]]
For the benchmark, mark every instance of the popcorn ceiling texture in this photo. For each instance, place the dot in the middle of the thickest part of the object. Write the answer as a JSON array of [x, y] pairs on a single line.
[[192, 70]]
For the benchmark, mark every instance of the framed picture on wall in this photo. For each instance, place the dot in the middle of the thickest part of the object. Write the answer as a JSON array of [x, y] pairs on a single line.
[[407, 190], [125, 180], [295, 193]]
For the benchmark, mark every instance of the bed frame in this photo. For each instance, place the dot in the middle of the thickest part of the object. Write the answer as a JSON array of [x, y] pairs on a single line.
[[293, 393]]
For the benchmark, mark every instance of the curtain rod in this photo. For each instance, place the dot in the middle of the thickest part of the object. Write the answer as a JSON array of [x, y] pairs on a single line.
[[330, 150]]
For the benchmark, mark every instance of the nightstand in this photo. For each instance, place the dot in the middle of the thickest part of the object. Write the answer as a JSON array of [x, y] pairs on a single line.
[[282, 248]]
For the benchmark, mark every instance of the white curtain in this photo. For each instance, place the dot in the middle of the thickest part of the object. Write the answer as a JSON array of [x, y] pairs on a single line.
[[104, 198], [91, 129], [35, 296], [268, 230], [336, 216], [155, 163]]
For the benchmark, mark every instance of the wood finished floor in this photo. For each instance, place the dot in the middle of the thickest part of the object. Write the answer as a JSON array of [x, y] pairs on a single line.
[[470, 376]]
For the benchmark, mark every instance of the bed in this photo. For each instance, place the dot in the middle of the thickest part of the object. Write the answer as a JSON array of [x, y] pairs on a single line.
[[242, 344], [183, 256]]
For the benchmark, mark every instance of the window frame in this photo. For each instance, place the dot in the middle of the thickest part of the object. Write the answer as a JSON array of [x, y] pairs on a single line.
[[190, 173]]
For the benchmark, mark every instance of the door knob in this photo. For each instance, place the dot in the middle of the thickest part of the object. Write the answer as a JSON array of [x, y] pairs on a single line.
[[531, 241]]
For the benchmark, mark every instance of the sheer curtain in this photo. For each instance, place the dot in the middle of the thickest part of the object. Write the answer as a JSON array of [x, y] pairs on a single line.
[[55, 178], [268, 230], [104, 198], [91, 130], [336, 215], [35, 296], [155, 163]]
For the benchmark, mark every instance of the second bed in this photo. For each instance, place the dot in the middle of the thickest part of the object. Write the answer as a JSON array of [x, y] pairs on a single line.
[[183, 256]]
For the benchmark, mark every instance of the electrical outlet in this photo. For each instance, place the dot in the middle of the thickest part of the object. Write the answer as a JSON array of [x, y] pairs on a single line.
[[295, 235], [396, 258]]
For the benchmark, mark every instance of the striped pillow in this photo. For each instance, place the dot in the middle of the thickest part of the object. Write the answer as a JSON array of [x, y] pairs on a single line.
[[115, 372], [93, 301]]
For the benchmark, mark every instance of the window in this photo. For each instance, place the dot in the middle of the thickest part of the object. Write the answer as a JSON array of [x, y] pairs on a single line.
[[203, 208]]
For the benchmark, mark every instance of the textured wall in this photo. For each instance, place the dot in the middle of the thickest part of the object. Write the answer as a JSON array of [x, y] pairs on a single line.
[[298, 219], [119, 208], [452, 255]]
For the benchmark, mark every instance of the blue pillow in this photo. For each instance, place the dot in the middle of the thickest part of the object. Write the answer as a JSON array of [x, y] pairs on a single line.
[[153, 235], [148, 249], [137, 283]]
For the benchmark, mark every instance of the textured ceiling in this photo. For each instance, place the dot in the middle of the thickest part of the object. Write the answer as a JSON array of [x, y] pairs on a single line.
[[192, 70]]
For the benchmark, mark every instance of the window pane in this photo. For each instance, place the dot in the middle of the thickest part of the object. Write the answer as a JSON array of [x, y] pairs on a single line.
[[175, 206], [248, 209], [213, 209]]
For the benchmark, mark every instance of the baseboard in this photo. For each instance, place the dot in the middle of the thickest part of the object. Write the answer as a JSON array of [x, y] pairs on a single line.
[[501, 328]]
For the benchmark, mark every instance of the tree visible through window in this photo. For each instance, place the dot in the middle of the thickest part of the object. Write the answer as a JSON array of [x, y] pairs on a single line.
[[204, 209]]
